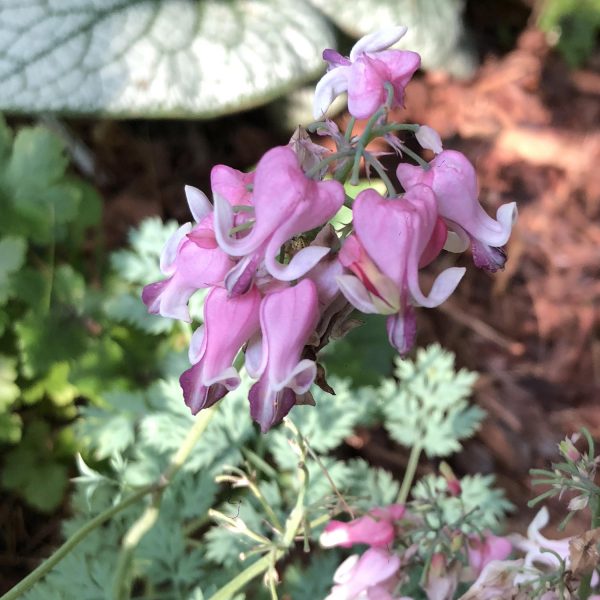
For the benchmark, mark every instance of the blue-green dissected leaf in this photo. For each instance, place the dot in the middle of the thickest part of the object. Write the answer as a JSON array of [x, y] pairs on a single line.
[[313, 581], [111, 429], [428, 406], [170, 58], [435, 29], [127, 308], [485, 505], [12, 256]]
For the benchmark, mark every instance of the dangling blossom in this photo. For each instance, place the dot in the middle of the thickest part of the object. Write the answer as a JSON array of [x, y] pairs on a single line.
[[365, 72], [286, 203], [228, 324], [287, 319], [393, 238], [454, 182], [191, 259], [376, 528], [371, 575], [484, 549]]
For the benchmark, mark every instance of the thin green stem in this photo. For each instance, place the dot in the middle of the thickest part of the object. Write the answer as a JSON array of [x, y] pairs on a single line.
[[247, 575], [245, 225], [382, 175], [409, 474], [349, 129], [327, 160], [422, 162], [43, 569], [121, 580]]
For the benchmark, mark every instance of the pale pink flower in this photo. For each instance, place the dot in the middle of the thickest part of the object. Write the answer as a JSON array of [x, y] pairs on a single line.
[[535, 544], [371, 576], [365, 72], [286, 203], [287, 319], [191, 259], [497, 580], [429, 139], [442, 579], [484, 549], [228, 325], [454, 182], [375, 528], [233, 185], [392, 236]]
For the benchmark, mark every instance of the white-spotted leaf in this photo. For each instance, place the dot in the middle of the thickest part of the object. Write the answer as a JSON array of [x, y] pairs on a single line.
[[152, 58]]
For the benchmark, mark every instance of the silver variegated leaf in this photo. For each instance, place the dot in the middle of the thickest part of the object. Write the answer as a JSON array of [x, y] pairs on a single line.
[[153, 58]]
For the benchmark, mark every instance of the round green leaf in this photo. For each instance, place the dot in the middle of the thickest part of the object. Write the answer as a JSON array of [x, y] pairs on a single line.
[[166, 58]]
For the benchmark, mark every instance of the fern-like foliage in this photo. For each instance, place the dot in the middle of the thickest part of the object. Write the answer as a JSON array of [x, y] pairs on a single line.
[[480, 506], [428, 405]]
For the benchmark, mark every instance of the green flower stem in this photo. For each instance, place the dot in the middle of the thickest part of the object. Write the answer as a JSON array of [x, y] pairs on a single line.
[[349, 128], [382, 175], [422, 163], [43, 569], [409, 474], [246, 576], [328, 159], [121, 581]]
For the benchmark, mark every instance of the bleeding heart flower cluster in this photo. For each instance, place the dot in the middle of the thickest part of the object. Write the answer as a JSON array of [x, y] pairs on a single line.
[[378, 571], [282, 280]]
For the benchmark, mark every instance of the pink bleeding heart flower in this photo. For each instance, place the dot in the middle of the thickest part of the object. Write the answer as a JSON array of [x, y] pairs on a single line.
[[286, 203], [484, 549], [228, 324], [287, 319], [375, 528], [392, 237], [364, 74], [454, 181], [373, 575], [191, 259], [233, 185]]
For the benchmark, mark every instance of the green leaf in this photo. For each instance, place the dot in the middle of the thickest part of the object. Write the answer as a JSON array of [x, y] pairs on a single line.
[[55, 385], [369, 486], [30, 470], [428, 406], [38, 159], [9, 390], [59, 336], [10, 428], [435, 29], [312, 581], [12, 256], [145, 58]]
